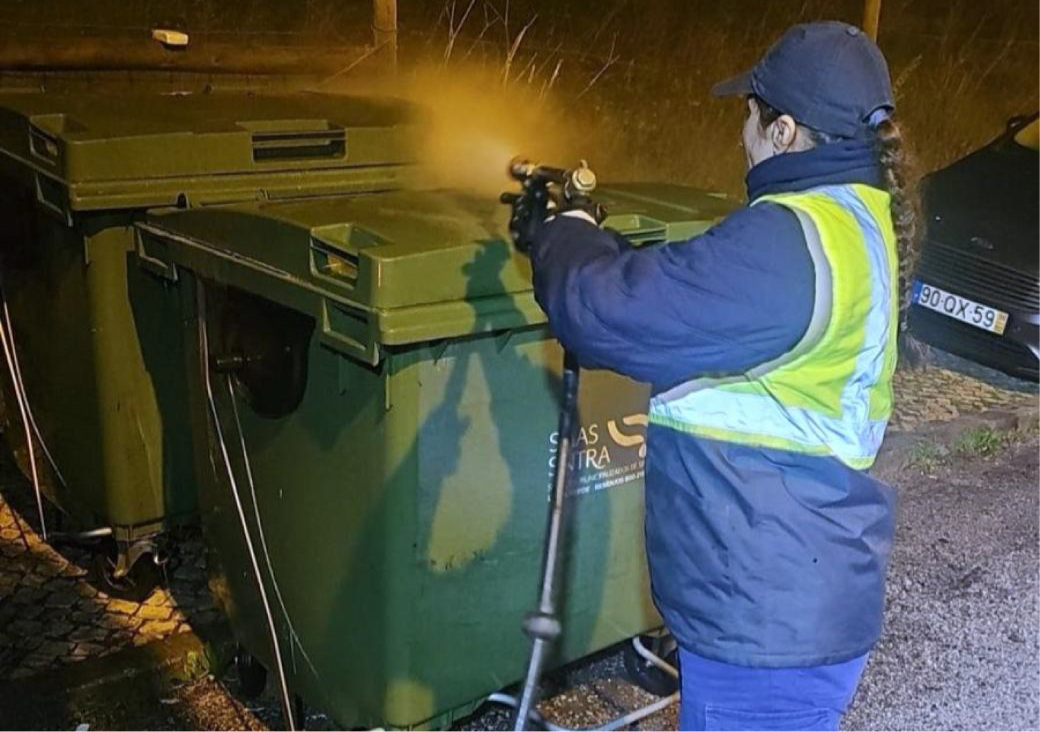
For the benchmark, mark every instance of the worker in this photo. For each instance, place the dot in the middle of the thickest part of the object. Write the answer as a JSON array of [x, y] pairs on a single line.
[[770, 343]]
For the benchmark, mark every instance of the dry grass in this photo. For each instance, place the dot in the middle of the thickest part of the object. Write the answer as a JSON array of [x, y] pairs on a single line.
[[625, 83], [634, 77]]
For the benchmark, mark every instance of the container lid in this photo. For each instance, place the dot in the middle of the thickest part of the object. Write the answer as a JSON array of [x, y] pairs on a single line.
[[400, 267], [130, 150]]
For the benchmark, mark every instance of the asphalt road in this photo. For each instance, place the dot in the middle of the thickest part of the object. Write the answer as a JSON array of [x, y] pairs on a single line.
[[960, 648]]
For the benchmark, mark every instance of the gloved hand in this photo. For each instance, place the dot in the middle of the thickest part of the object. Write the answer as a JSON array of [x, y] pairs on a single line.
[[530, 210], [579, 206], [548, 192]]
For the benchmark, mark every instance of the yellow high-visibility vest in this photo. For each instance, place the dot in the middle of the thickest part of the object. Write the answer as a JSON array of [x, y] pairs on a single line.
[[831, 394]]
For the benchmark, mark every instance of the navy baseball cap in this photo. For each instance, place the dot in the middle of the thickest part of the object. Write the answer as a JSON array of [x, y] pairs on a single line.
[[829, 76]]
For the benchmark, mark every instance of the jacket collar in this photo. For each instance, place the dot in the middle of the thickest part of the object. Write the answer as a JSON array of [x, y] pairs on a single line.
[[838, 163]]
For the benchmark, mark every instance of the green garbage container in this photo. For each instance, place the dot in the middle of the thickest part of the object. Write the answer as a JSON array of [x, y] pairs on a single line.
[[375, 394], [101, 355]]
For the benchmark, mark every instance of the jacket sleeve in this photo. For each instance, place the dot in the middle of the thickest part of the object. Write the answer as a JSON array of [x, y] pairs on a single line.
[[721, 303]]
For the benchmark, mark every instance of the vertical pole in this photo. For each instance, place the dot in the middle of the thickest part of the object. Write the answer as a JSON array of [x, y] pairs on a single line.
[[384, 26], [871, 17]]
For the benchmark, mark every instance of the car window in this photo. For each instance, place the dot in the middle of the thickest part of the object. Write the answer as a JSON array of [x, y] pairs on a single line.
[[1029, 135]]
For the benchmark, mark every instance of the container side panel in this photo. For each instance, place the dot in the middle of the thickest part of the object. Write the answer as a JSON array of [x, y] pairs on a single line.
[[129, 417], [325, 478], [487, 436], [49, 296], [160, 317]]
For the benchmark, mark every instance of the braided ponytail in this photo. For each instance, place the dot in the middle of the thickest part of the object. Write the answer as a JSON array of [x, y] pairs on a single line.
[[894, 161]]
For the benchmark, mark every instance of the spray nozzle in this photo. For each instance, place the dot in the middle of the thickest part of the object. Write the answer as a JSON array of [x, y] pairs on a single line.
[[546, 188], [580, 180]]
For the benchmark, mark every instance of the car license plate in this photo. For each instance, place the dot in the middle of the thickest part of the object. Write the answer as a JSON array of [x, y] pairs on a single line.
[[960, 308]]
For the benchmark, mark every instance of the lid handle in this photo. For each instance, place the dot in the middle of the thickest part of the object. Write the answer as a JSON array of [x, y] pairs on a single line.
[[638, 229], [334, 251], [305, 144]]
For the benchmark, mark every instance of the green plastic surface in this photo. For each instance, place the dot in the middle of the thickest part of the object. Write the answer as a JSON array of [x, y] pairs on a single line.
[[105, 383], [403, 501], [100, 344], [397, 268], [403, 497], [98, 151]]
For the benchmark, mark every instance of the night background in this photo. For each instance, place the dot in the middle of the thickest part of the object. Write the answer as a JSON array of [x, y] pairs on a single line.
[[622, 83]]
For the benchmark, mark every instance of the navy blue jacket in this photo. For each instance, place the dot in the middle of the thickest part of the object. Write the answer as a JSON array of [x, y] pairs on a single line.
[[758, 557]]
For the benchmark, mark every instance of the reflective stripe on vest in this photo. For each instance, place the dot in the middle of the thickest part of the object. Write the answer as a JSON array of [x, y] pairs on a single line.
[[831, 394]]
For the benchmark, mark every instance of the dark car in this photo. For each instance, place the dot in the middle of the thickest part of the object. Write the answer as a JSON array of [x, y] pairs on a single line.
[[976, 289]]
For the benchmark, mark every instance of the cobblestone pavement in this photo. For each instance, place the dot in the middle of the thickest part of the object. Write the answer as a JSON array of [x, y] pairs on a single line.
[[52, 611], [950, 387]]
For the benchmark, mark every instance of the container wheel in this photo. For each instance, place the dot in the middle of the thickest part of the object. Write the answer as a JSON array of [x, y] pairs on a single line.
[[252, 675], [646, 675], [135, 585]]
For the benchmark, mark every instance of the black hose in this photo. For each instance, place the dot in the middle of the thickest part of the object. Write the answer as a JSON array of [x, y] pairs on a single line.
[[542, 626]]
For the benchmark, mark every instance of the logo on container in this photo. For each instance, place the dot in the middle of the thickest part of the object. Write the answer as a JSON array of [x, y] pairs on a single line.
[[605, 459]]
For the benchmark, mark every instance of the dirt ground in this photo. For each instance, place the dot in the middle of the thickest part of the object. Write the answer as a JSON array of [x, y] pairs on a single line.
[[959, 651], [960, 644]]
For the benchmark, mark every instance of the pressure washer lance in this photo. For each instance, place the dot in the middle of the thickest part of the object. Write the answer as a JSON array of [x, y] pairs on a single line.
[[537, 200], [543, 626]]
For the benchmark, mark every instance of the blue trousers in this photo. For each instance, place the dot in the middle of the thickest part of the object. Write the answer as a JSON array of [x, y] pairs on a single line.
[[721, 696]]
